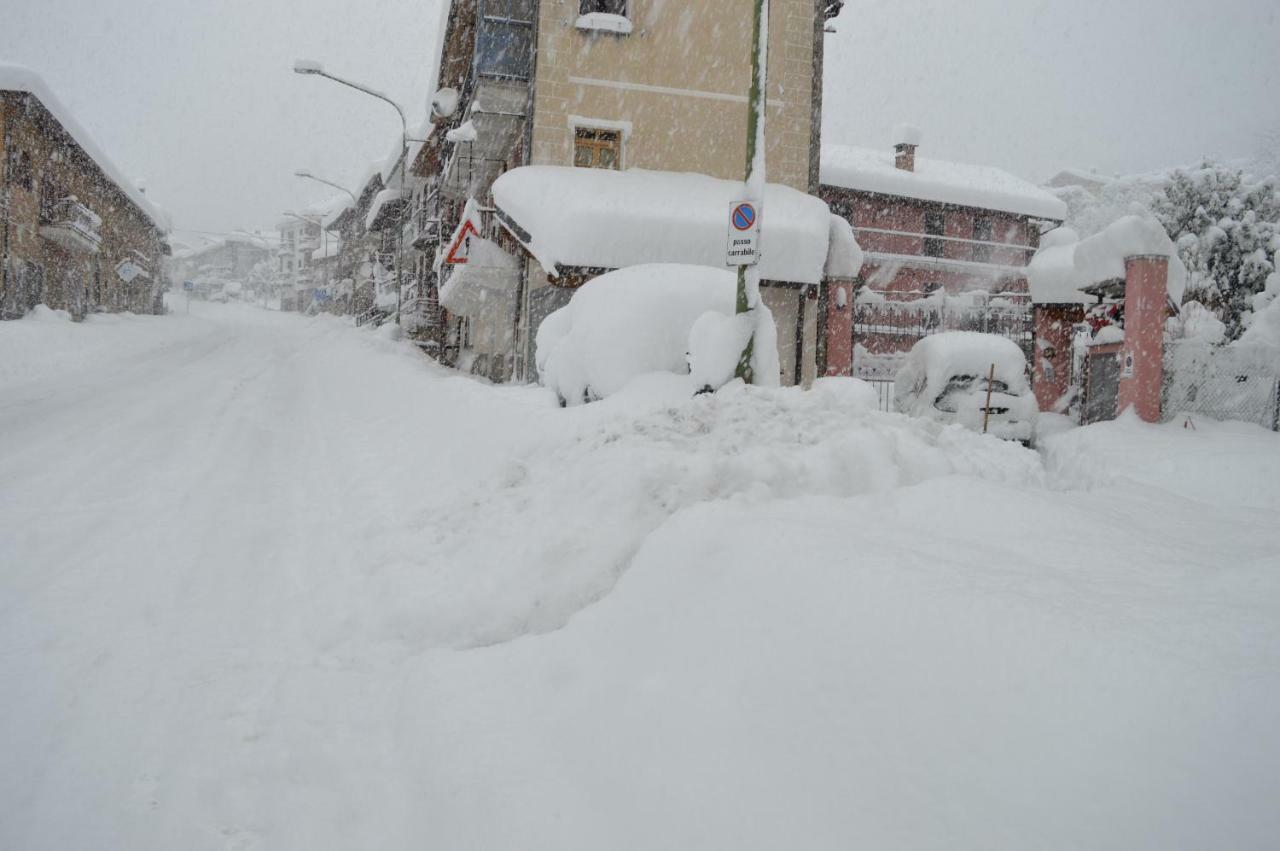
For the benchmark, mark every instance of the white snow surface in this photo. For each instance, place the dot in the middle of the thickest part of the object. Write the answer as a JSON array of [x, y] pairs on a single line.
[[613, 219], [17, 78], [1062, 267], [982, 187], [269, 582]]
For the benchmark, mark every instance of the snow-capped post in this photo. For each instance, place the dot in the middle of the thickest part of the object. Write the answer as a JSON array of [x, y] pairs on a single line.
[[748, 273]]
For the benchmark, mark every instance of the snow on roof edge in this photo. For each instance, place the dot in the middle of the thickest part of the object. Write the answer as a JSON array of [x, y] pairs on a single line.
[[19, 78], [943, 181]]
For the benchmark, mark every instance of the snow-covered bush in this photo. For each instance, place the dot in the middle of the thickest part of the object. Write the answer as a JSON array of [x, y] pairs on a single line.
[[945, 378], [1226, 230], [640, 320]]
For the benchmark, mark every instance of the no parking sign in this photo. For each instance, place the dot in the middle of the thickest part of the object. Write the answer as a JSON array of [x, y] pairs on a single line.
[[744, 235]]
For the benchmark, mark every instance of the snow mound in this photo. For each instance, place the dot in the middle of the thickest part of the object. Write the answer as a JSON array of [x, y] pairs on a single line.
[[639, 320], [577, 502]]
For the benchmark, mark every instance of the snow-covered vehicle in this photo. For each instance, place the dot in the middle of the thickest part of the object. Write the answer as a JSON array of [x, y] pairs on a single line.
[[657, 318], [948, 377]]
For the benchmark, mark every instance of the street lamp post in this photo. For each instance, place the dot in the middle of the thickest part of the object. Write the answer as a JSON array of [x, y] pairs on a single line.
[[309, 68]]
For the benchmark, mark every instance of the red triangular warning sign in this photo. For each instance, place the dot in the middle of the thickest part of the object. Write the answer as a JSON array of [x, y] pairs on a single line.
[[461, 248]]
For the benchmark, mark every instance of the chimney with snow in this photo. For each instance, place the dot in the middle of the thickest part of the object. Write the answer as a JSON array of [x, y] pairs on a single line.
[[906, 139]]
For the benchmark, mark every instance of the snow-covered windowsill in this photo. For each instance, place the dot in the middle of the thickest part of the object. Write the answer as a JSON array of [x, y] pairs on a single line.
[[605, 22]]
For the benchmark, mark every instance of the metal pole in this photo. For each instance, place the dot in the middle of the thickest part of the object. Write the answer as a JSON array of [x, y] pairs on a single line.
[[755, 128]]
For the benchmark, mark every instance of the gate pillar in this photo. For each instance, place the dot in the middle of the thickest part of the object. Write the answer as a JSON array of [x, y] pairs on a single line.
[[840, 329], [1142, 357]]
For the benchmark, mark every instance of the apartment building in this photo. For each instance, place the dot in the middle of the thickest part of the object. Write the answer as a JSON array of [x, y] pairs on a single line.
[[642, 86], [76, 234]]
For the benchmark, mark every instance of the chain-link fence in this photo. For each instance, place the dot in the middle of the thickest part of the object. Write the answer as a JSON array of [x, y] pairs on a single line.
[[1238, 382]]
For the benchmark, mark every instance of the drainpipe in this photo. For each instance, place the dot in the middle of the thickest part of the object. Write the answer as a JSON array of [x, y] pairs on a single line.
[[6, 200]]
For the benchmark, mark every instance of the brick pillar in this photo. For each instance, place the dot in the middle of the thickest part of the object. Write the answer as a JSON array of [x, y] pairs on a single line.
[[840, 330], [1142, 357], [1051, 370]]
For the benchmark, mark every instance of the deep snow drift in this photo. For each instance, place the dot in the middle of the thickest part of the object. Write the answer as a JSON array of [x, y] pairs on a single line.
[[272, 583]]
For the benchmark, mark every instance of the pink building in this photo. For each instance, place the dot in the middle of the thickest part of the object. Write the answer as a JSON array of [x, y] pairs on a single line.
[[947, 245]]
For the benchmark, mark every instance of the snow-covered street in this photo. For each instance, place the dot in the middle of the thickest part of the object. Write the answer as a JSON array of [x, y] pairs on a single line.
[[269, 582]]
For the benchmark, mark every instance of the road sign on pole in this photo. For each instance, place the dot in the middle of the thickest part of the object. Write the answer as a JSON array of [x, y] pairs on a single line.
[[743, 247], [460, 251]]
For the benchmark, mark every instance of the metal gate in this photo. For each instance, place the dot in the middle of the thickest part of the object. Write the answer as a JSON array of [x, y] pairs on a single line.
[[1101, 387]]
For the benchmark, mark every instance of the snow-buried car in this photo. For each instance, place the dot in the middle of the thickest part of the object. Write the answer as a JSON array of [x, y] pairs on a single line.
[[948, 377]]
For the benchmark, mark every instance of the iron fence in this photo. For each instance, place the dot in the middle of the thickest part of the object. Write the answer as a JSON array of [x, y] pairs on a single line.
[[898, 326]]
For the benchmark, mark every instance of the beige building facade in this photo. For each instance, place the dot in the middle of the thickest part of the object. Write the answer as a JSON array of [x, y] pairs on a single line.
[[675, 87], [74, 235], [618, 84]]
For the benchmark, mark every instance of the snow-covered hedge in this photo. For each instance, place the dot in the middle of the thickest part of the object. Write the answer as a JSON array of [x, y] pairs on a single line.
[[641, 320]]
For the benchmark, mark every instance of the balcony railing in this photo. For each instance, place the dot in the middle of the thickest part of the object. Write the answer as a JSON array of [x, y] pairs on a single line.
[[72, 225]]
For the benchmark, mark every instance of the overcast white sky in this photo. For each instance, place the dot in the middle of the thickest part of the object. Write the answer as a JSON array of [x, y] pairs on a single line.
[[197, 97]]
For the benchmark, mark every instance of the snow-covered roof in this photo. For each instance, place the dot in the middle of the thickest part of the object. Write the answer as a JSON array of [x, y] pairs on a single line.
[[17, 78], [380, 202], [980, 186], [614, 219], [1064, 265]]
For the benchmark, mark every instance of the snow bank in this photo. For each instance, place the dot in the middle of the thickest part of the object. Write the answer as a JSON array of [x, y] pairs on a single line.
[[47, 346], [868, 170], [606, 219], [1062, 267], [639, 320], [16, 78]]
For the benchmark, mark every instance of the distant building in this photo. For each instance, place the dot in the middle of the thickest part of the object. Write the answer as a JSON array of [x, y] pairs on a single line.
[[77, 235], [217, 263], [947, 245]]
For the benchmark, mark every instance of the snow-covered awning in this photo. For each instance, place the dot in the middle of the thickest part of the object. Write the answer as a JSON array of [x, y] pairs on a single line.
[[1065, 266], [981, 187], [605, 219]]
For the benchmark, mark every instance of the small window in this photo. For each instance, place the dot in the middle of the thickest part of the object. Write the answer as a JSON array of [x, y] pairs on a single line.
[[935, 225], [20, 171], [594, 148], [603, 7], [983, 232]]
